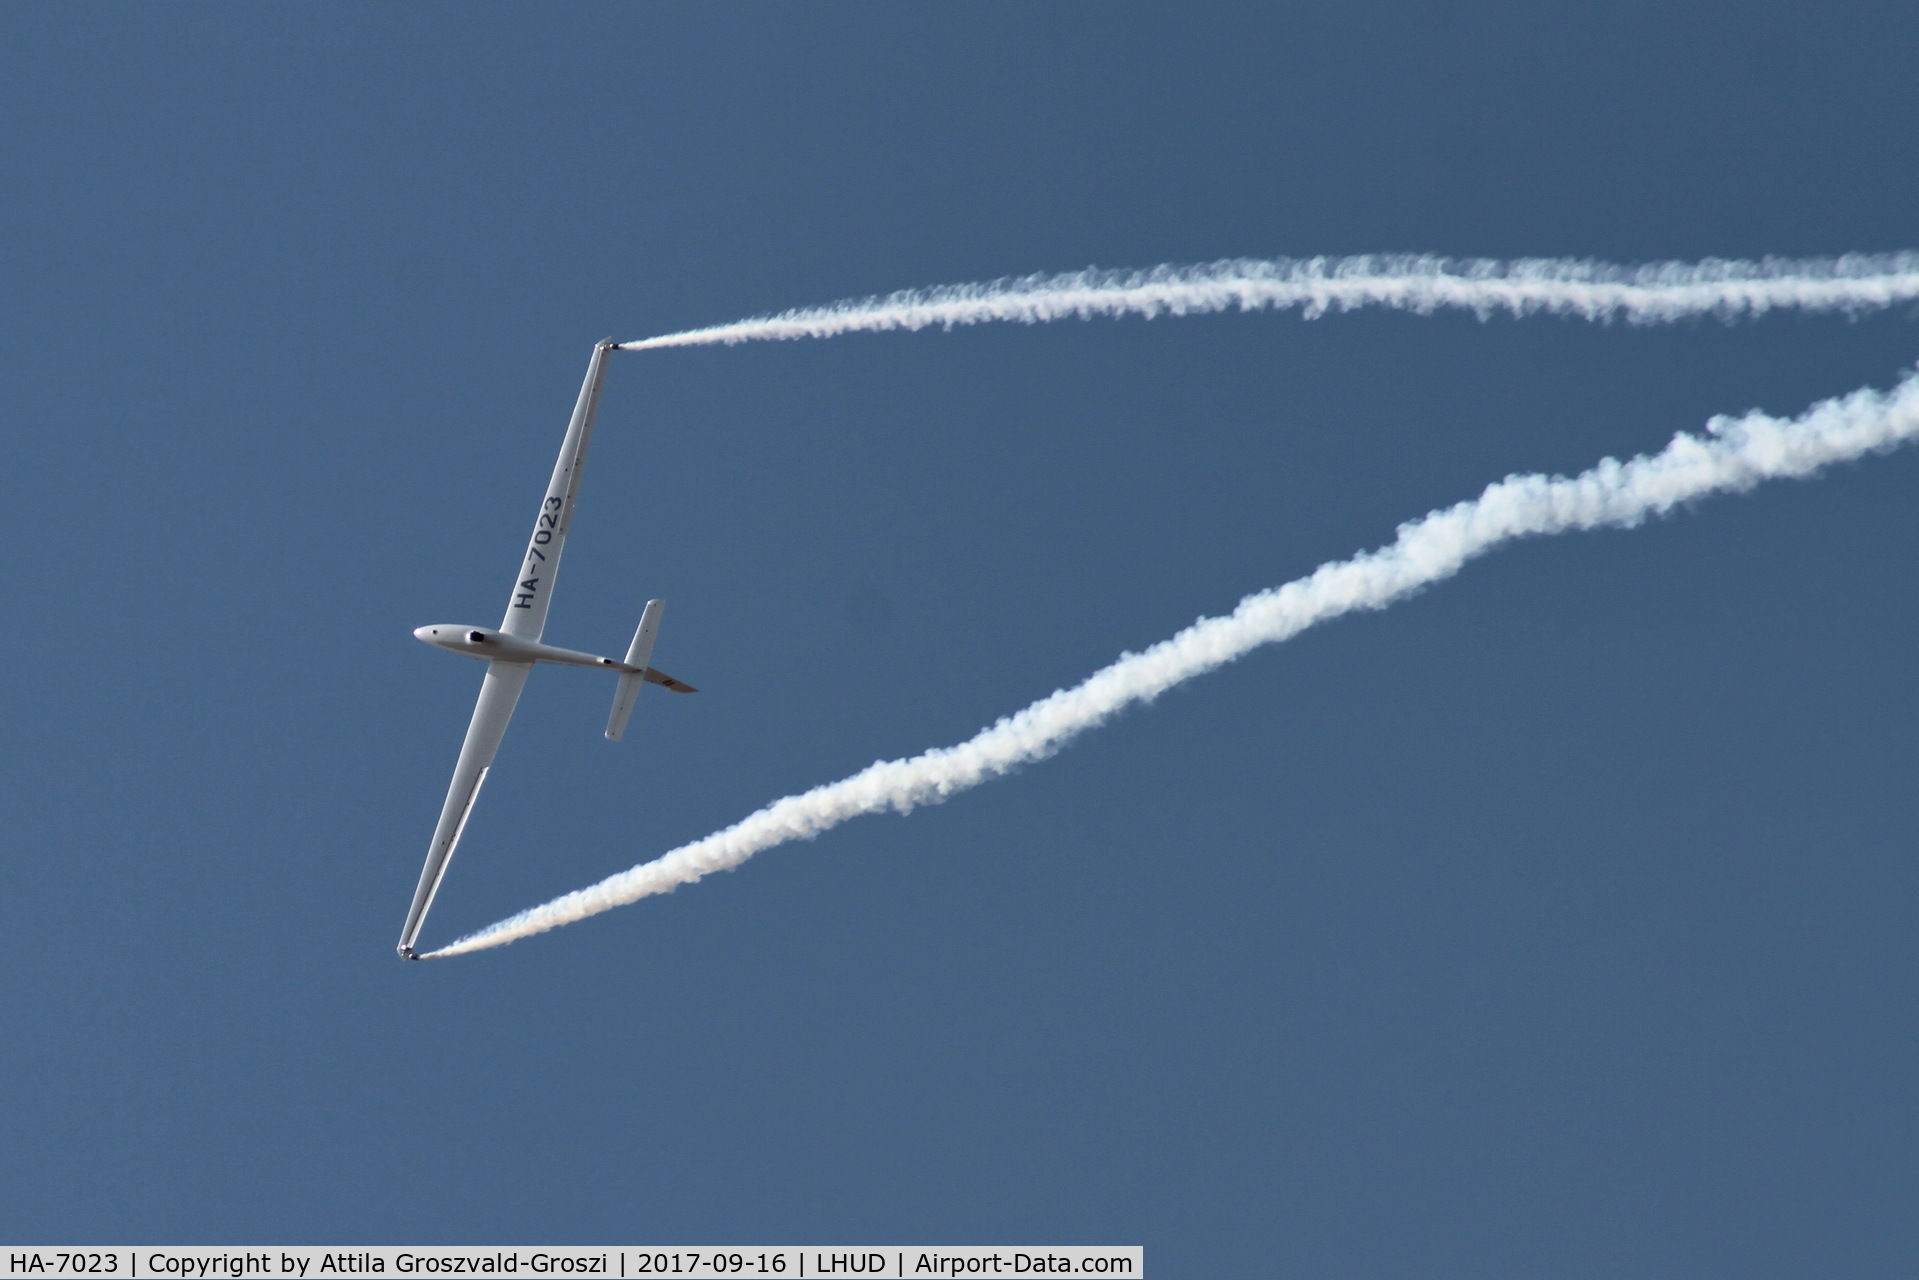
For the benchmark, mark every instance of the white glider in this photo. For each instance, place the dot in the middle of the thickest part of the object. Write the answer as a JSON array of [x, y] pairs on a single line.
[[511, 650]]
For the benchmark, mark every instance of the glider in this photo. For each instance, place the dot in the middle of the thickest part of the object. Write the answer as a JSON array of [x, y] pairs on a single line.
[[511, 649]]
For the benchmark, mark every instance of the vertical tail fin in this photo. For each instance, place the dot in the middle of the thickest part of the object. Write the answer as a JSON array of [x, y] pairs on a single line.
[[630, 682]]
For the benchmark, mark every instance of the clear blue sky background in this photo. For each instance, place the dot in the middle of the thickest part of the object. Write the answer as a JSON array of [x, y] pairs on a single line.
[[1557, 922]]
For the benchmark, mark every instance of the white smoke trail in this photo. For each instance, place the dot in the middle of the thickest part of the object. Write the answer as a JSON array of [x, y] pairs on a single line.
[[1733, 455], [1649, 294]]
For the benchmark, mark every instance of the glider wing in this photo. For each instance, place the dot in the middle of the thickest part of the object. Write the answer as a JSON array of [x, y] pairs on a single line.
[[533, 589], [498, 696], [525, 619]]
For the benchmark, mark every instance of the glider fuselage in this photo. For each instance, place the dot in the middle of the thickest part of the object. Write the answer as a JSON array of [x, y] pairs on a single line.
[[497, 646]]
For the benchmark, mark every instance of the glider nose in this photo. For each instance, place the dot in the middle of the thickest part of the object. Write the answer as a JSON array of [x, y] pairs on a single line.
[[428, 634]]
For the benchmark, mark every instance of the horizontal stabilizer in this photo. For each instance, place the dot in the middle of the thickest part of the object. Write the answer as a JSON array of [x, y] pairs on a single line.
[[636, 656], [656, 676]]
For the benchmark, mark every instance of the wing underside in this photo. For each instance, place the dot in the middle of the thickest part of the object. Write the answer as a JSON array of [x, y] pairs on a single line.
[[498, 696], [533, 585], [525, 619]]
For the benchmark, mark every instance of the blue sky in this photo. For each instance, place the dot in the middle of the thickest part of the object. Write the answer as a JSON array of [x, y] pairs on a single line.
[[1556, 921]]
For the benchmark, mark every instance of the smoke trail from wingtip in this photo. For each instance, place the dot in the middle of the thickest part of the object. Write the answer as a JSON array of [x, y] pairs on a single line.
[[1649, 294], [1734, 454]]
